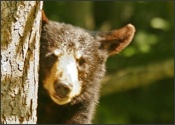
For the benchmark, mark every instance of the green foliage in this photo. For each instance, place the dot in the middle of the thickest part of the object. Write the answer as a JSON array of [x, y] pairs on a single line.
[[151, 104]]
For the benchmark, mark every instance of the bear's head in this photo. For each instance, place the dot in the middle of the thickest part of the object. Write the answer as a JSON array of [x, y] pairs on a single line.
[[73, 59]]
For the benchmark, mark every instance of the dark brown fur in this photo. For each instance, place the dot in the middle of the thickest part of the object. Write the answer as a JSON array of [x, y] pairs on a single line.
[[96, 49]]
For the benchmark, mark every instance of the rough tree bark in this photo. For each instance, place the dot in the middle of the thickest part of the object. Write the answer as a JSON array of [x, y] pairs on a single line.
[[20, 34]]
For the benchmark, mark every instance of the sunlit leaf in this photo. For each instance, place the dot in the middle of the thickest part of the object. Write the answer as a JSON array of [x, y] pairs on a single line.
[[160, 23]]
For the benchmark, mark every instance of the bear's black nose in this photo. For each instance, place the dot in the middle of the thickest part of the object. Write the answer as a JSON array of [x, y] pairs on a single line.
[[62, 89]]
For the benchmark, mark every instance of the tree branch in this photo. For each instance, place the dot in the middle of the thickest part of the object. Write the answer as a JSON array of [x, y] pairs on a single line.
[[135, 77]]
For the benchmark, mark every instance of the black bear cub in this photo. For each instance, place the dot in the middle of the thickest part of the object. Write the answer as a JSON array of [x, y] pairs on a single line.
[[72, 64]]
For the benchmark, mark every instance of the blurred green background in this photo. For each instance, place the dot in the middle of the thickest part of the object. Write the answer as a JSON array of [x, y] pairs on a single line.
[[140, 86]]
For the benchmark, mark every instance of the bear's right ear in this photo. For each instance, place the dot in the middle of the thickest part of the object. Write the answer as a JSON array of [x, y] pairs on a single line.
[[115, 41]]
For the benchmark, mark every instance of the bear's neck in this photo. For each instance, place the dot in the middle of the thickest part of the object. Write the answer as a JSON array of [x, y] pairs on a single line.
[[52, 113]]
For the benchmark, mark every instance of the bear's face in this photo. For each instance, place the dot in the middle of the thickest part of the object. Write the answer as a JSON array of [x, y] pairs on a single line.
[[72, 58]]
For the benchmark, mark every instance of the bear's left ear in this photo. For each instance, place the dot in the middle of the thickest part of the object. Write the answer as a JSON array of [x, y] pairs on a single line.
[[115, 41]]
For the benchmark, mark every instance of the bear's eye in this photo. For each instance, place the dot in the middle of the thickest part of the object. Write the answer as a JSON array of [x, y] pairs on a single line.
[[81, 61], [51, 57]]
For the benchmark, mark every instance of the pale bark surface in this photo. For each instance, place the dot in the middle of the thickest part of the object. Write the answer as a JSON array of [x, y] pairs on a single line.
[[20, 34]]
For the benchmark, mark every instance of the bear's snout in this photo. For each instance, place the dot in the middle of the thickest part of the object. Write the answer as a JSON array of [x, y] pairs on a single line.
[[62, 89]]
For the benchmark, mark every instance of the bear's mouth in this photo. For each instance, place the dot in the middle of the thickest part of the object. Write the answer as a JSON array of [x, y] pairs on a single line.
[[59, 100]]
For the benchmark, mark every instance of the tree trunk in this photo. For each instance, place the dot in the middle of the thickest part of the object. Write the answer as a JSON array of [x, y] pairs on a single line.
[[20, 35]]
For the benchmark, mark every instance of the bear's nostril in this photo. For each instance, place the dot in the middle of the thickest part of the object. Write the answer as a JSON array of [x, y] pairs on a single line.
[[62, 89]]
